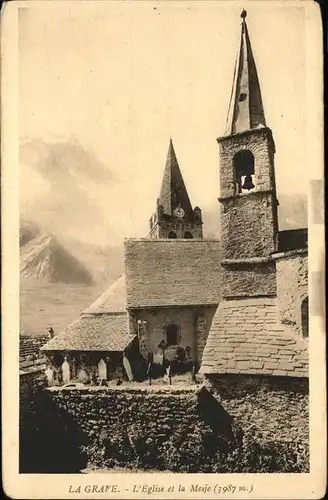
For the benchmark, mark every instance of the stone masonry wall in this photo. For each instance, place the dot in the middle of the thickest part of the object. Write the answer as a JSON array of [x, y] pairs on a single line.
[[142, 331], [191, 332], [292, 288], [170, 428], [158, 318], [260, 143], [67, 430], [275, 408], [203, 325], [249, 280], [247, 226]]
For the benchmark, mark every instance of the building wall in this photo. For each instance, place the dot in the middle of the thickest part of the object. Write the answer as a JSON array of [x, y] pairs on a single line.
[[247, 226], [292, 288], [243, 280], [204, 320], [194, 325]]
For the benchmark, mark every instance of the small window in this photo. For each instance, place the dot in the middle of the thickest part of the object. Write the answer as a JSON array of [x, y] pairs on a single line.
[[172, 335], [305, 317], [242, 97], [172, 235], [188, 235]]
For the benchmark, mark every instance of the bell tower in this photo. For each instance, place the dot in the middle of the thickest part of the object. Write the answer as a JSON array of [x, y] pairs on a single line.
[[249, 221], [174, 216]]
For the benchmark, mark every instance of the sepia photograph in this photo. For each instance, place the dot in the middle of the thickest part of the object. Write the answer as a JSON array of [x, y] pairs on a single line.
[[164, 322]]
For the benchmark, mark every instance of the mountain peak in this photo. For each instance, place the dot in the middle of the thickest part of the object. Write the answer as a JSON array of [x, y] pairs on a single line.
[[46, 257]]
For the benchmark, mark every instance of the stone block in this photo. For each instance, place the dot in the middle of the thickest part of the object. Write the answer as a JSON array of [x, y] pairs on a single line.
[[257, 364]]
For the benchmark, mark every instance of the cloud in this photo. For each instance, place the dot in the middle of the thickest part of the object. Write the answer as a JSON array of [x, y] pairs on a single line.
[[63, 198], [68, 158]]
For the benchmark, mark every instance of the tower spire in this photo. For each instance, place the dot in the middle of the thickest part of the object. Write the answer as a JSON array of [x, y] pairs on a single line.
[[174, 216], [246, 108], [173, 190]]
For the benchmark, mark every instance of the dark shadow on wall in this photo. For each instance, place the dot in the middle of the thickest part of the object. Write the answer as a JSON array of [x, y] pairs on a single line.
[[214, 415], [49, 439]]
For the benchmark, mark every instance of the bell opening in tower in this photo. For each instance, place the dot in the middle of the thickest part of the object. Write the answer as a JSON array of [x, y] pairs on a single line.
[[243, 163]]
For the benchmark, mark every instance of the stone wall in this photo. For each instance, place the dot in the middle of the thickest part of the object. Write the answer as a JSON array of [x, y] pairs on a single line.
[[261, 145], [192, 331], [292, 288], [275, 408], [203, 324], [248, 427], [248, 226], [249, 280], [142, 332], [158, 318]]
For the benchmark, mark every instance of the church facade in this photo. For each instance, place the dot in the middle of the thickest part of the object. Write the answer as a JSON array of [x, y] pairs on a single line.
[[235, 307]]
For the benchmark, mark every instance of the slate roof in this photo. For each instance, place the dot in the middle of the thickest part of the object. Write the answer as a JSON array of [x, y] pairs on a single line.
[[172, 272], [102, 332], [30, 345], [32, 365], [246, 337], [112, 300]]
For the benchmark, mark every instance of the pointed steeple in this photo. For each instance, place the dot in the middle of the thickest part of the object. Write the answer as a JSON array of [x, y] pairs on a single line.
[[246, 108], [174, 216], [173, 191]]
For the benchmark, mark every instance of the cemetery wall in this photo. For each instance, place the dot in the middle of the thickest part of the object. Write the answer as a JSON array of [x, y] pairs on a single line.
[[167, 428]]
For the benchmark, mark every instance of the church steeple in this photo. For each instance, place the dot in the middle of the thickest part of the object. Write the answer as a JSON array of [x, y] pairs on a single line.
[[173, 191], [249, 213], [246, 110], [174, 216]]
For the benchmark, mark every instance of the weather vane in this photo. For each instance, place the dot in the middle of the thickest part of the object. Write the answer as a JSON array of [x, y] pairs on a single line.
[[243, 14]]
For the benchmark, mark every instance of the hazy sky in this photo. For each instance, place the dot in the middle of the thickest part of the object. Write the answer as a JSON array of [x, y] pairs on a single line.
[[103, 86]]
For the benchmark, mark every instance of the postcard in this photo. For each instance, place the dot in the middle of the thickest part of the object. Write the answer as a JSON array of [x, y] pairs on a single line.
[[163, 250]]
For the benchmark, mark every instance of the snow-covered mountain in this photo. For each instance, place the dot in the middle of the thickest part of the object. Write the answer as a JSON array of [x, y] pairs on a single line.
[[44, 257]]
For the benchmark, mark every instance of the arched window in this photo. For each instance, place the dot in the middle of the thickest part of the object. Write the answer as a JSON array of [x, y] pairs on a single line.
[[188, 235], [172, 235], [172, 337], [305, 317], [243, 163]]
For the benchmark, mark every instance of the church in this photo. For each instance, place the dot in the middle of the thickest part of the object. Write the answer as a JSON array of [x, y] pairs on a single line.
[[238, 306]]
